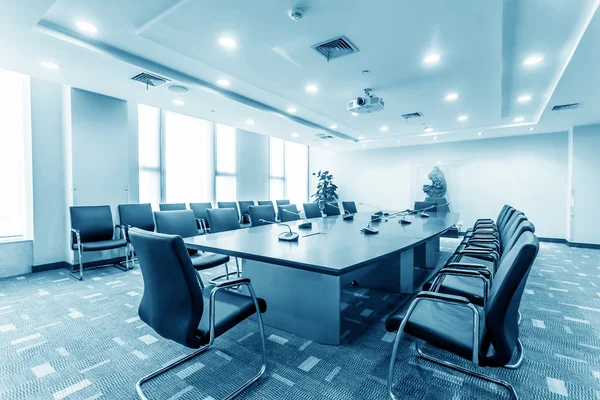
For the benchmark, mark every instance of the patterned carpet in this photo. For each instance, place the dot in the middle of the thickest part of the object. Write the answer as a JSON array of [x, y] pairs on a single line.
[[60, 338]]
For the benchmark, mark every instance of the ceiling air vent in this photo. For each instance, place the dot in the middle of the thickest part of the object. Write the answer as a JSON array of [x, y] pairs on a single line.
[[565, 107], [149, 79], [412, 115], [323, 136], [335, 48]]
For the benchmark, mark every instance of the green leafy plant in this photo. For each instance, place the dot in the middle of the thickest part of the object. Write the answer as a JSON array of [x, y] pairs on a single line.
[[326, 189]]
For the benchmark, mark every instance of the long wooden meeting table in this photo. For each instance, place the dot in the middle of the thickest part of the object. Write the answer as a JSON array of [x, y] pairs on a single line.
[[302, 281]]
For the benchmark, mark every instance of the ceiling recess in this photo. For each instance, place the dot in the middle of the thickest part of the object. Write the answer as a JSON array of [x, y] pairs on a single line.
[[149, 79], [335, 48], [412, 115], [323, 136], [565, 107]]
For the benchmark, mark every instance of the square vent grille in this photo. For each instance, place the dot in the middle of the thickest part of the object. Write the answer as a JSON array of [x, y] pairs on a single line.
[[412, 115], [335, 48], [323, 136], [149, 79], [565, 107]]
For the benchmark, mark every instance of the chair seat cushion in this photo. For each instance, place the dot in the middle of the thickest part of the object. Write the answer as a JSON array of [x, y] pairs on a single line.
[[203, 261], [101, 245], [470, 287], [231, 308], [392, 323], [461, 258], [446, 326]]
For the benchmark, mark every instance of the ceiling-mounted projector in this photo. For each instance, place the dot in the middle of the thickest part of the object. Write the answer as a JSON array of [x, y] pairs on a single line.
[[367, 104]]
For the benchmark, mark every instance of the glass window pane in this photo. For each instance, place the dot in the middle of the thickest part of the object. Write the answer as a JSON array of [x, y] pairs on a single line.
[[150, 187], [12, 154], [276, 189], [189, 166], [276, 153], [296, 172], [148, 136], [226, 149], [226, 188]]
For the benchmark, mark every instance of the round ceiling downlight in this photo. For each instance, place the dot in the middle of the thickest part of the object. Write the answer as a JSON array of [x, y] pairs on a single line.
[[178, 89]]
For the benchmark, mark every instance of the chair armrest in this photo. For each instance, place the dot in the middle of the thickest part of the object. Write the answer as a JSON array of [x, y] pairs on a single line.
[[232, 282], [449, 298], [202, 224], [460, 271], [123, 230], [469, 267], [485, 229], [482, 240]]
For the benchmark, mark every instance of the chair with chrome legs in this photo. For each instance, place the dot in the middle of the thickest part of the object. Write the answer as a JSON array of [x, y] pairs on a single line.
[[288, 213], [244, 215], [135, 216], [178, 307], [223, 220], [199, 210], [183, 223], [312, 210], [92, 229], [261, 213], [488, 336], [171, 206]]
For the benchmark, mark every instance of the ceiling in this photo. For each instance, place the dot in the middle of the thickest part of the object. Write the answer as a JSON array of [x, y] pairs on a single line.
[[482, 47]]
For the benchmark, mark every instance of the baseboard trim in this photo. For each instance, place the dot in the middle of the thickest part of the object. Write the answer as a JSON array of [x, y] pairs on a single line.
[[69, 266], [584, 245], [553, 240], [50, 266]]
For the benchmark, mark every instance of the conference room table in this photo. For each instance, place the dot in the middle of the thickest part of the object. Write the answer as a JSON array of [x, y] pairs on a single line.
[[302, 281]]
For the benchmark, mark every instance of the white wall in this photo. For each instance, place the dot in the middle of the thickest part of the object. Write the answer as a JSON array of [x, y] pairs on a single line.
[[252, 166], [586, 184], [529, 172]]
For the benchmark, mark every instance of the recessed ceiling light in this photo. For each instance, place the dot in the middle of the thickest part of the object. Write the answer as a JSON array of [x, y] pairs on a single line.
[[431, 58], [532, 60], [355, 114], [227, 42], [211, 110], [451, 96], [223, 82], [312, 88], [463, 118], [519, 119], [364, 145], [250, 122], [400, 141], [177, 89], [292, 110], [50, 65], [295, 134], [326, 144], [428, 130], [435, 138], [384, 128], [361, 137], [178, 102], [86, 27], [332, 126], [479, 133], [531, 129], [524, 98]]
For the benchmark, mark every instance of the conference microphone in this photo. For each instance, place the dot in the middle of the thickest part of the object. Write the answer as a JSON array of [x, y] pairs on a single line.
[[369, 230], [304, 225], [347, 215], [378, 213], [285, 236], [425, 215]]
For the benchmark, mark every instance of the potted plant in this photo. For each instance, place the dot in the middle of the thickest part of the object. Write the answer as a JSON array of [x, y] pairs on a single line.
[[326, 189]]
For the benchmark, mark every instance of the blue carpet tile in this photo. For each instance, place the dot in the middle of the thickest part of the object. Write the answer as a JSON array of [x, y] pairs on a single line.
[[65, 339]]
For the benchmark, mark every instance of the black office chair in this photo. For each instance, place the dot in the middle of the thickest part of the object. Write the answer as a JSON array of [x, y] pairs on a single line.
[[135, 216], [222, 219], [332, 208], [282, 202], [422, 205], [258, 213], [183, 223], [179, 308], [199, 210], [229, 204], [312, 210], [487, 336], [349, 206], [244, 211], [267, 203], [92, 229], [171, 206], [288, 213]]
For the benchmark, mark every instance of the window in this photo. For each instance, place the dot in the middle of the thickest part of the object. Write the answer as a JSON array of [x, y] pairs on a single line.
[[226, 165], [188, 159], [15, 155], [149, 154], [288, 171]]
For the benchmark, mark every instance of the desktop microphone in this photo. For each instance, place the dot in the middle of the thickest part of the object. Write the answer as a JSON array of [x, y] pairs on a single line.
[[304, 225], [425, 215], [369, 230], [347, 215], [378, 213], [285, 236]]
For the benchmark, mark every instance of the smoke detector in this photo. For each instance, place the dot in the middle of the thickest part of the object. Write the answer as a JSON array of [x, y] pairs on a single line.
[[296, 14]]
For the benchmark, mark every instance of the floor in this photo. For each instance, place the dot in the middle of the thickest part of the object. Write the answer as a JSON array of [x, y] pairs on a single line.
[[60, 338]]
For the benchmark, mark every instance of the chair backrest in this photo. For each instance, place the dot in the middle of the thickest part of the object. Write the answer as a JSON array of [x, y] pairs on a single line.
[[312, 210], [223, 219], [172, 302], [265, 203], [261, 212], [137, 216], [502, 307], [199, 210], [95, 223], [244, 206], [282, 202], [502, 212], [524, 226], [511, 225], [501, 223], [171, 206], [229, 204], [285, 216], [420, 205], [349, 206], [332, 208], [178, 222]]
